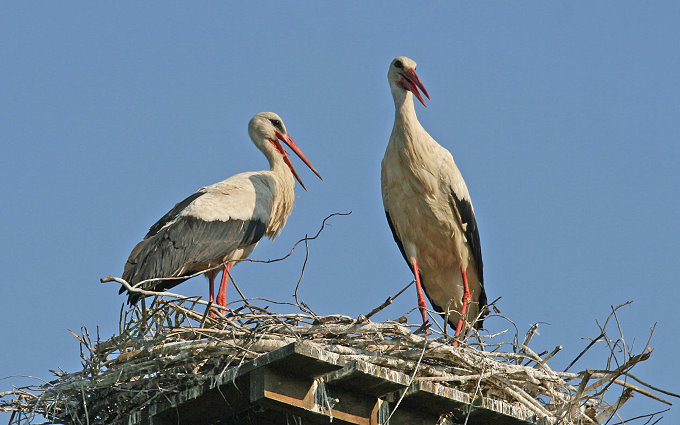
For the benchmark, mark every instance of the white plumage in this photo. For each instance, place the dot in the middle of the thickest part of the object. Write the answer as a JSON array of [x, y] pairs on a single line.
[[429, 209], [222, 222]]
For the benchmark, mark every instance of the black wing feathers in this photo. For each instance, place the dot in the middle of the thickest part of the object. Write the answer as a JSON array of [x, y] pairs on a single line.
[[172, 214], [467, 215], [396, 238], [187, 243], [464, 208]]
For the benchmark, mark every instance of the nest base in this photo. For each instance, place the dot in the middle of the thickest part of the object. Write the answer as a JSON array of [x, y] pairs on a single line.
[[303, 383]]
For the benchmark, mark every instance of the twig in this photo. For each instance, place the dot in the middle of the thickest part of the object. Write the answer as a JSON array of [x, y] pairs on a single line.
[[145, 292], [243, 297], [595, 340], [652, 386], [306, 238], [302, 274], [649, 415], [552, 353], [474, 395], [642, 391], [387, 302], [415, 371]]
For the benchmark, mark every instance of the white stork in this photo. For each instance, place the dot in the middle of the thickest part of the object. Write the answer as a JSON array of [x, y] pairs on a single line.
[[222, 222], [429, 210]]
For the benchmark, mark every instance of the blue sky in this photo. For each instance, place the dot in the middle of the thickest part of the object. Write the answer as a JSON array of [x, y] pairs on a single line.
[[563, 117]]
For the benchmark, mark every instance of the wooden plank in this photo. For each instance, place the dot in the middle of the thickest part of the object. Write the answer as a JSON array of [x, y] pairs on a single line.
[[200, 404], [312, 398], [367, 378], [297, 358], [437, 399]]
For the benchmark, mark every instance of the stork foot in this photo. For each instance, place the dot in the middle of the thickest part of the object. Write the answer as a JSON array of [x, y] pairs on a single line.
[[424, 328]]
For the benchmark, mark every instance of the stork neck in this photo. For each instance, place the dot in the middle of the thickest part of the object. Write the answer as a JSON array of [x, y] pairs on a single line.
[[276, 163], [404, 109], [407, 131], [284, 195], [278, 166]]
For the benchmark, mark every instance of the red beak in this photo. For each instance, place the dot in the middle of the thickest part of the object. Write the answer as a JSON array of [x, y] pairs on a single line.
[[285, 138], [411, 82]]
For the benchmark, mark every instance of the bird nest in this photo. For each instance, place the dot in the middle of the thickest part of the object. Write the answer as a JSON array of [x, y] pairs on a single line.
[[174, 344]]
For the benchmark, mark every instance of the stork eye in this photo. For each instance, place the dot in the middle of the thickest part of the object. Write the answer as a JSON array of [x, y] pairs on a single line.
[[277, 124], [399, 65]]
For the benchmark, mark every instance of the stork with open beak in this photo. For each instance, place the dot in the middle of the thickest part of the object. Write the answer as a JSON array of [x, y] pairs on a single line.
[[429, 210], [220, 223]]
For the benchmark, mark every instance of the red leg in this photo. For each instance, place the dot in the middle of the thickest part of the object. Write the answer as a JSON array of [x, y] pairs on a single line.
[[466, 300], [222, 293], [211, 279], [422, 304], [211, 285]]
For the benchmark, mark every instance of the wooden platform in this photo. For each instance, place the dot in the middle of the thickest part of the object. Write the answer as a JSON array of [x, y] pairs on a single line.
[[301, 384]]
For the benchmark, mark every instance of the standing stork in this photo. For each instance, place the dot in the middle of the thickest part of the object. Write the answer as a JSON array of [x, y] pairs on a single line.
[[220, 223], [429, 210]]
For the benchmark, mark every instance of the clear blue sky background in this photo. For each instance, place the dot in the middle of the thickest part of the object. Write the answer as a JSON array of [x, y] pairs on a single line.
[[564, 118]]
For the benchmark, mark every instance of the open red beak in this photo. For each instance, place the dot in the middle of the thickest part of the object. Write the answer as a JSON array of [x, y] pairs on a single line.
[[411, 82], [285, 138]]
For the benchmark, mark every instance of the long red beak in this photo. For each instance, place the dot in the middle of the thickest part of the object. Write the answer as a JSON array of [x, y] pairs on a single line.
[[285, 138], [412, 83]]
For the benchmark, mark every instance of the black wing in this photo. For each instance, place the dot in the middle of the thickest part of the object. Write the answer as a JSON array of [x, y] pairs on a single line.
[[173, 213], [396, 238], [186, 243], [467, 216]]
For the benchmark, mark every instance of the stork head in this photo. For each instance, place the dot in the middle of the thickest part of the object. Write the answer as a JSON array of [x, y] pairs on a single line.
[[268, 131], [402, 76]]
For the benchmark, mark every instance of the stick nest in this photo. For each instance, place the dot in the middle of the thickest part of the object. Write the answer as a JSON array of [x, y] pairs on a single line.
[[174, 345]]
